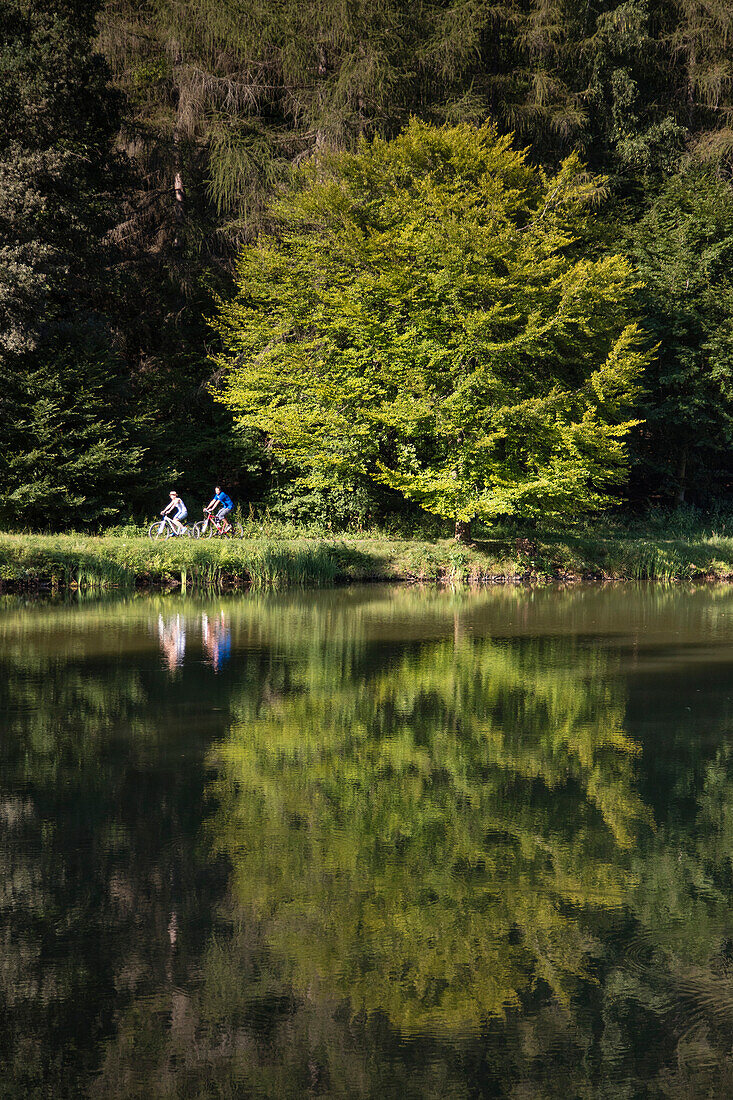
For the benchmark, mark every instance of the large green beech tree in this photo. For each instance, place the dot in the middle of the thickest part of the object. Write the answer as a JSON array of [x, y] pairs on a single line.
[[424, 314]]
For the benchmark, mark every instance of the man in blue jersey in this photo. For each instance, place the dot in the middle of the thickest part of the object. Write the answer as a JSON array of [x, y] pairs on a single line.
[[220, 497]]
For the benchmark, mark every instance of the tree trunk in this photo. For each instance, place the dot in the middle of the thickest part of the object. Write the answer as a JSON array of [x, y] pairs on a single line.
[[180, 194], [179, 189], [463, 530], [681, 470], [320, 135]]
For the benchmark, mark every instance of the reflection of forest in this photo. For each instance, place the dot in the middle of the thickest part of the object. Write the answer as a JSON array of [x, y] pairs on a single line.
[[443, 880], [100, 804]]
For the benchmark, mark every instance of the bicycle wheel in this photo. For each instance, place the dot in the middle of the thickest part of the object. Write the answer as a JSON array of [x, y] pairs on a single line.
[[238, 531], [158, 530], [198, 529]]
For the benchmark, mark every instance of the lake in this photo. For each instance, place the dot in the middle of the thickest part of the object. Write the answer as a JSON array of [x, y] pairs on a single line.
[[372, 842]]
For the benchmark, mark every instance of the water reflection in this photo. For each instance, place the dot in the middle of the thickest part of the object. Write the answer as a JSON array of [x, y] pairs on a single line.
[[217, 638], [428, 840], [215, 634], [172, 636], [368, 843]]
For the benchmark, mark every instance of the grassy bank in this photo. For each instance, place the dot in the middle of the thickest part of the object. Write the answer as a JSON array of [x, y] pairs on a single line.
[[124, 561]]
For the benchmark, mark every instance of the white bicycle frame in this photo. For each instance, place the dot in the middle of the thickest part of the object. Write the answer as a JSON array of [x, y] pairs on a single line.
[[166, 521]]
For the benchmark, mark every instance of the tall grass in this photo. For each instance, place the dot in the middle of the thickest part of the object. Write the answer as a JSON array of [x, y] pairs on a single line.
[[654, 563], [86, 563]]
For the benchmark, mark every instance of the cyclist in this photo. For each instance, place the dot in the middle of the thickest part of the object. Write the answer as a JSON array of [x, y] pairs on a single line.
[[220, 497], [179, 509]]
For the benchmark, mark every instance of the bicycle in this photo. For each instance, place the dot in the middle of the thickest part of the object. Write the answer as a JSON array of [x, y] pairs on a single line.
[[165, 529], [212, 526]]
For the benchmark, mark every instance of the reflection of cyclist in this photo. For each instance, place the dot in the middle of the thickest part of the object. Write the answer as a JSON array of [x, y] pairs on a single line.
[[220, 497], [217, 640], [179, 509], [172, 636]]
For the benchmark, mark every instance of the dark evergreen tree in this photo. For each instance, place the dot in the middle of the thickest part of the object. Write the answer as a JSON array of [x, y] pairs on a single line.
[[683, 249], [68, 434]]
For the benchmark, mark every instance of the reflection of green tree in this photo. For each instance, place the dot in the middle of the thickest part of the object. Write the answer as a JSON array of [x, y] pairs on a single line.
[[658, 1023], [424, 840]]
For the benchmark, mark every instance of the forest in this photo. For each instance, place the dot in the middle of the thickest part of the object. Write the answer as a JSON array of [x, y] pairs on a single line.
[[366, 262]]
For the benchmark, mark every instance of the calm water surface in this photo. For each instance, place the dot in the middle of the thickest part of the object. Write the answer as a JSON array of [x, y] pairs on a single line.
[[368, 843]]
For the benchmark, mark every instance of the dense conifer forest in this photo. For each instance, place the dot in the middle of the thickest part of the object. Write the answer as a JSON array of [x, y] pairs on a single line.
[[152, 153]]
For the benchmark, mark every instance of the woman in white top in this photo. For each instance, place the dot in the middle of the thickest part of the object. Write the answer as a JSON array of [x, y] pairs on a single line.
[[179, 509]]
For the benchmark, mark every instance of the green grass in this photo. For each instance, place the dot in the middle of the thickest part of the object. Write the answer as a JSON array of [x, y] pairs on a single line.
[[86, 562], [126, 561]]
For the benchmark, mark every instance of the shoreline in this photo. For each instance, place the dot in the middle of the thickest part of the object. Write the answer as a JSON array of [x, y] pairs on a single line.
[[55, 563]]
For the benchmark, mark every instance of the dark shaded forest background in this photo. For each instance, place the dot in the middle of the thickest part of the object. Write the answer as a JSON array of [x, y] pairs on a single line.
[[140, 142]]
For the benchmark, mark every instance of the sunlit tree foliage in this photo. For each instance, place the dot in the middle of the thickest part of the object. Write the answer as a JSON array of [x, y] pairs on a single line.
[[426, 317]]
